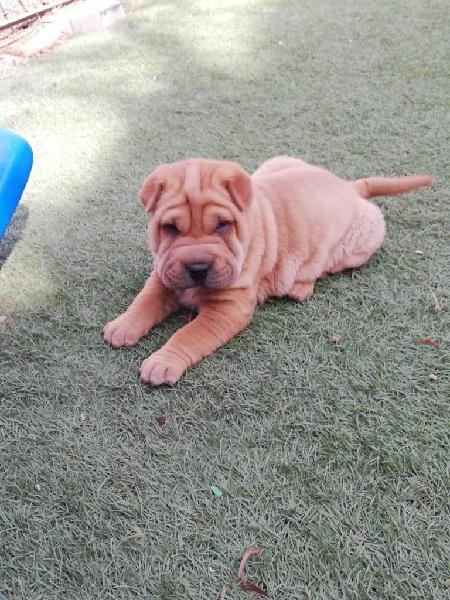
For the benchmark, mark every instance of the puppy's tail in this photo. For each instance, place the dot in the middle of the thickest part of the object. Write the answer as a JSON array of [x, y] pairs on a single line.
[[390, 186]]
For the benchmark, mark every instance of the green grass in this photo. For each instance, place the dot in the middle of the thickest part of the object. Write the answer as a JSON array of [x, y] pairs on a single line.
[[334, 457]]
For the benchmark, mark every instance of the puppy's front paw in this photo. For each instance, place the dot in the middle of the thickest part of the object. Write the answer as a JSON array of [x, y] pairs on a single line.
[[124, 331], [162, 368]]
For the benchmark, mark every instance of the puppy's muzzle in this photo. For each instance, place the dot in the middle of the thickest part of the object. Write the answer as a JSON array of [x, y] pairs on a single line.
[[198, 271]]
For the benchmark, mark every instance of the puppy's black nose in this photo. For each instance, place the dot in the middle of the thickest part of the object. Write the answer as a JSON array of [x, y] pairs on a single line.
[[198, 271]]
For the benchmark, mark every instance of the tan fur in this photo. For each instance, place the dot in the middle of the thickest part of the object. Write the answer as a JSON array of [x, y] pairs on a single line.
[[289, 224]]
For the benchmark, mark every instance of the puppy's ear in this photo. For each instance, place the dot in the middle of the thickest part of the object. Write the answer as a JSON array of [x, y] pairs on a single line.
[[152, 188], [238, 184]]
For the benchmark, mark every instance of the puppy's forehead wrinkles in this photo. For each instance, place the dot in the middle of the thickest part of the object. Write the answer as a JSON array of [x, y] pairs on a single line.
[[192, 181]]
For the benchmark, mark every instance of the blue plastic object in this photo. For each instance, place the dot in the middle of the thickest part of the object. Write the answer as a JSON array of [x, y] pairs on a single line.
[[16, 160]]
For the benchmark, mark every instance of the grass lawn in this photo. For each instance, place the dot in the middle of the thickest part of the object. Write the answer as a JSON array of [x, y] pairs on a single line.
[[332, 456]]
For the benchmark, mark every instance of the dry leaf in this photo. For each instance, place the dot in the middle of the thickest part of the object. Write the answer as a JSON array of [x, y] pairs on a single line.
[[3, 318], [429, 342], [223, 593], [336, 338], [251, 587], [247, 554], [161, 420], [83, 417], [433, 377]]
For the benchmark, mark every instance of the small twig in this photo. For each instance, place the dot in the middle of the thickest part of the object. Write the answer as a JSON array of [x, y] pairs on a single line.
[[247, 554], [437, 304], [247, 585], [223, 592]]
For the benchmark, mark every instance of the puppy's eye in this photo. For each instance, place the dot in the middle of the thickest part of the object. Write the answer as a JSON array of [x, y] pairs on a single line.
[[222, 226], [170, 229]]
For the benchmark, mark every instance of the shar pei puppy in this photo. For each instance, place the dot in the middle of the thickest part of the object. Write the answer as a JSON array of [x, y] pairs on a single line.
[[223, 241]]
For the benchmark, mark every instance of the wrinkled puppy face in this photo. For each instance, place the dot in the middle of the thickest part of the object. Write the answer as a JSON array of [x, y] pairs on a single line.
[[199, 230]]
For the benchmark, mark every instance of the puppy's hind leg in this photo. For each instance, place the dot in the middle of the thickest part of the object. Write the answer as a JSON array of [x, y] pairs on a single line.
[[301, 290], [279, 163], [362, 240]]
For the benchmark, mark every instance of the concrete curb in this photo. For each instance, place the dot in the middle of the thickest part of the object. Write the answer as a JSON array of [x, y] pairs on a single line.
[[93, 16]]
